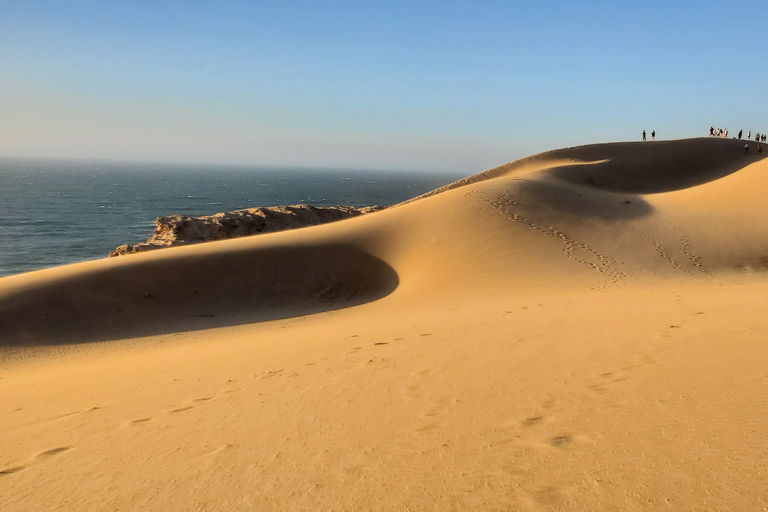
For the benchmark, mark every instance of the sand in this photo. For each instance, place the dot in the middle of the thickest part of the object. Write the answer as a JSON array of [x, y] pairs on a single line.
[[580, 330]]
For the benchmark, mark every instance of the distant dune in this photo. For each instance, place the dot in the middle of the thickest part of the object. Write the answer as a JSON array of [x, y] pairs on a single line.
[[582, 329]]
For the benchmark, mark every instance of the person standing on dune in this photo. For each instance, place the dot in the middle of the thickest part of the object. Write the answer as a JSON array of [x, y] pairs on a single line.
[[653, 135], [643, 134], [739, 134]]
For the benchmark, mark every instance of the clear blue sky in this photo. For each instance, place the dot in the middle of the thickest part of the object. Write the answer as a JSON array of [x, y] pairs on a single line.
[[422, 85]]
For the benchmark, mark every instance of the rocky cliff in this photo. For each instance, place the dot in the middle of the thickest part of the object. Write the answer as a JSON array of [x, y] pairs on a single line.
[[176, 230]]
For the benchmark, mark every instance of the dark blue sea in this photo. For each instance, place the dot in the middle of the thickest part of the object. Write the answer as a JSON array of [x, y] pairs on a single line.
[[58, 212]]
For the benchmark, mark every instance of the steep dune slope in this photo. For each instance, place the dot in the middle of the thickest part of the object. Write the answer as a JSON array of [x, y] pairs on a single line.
[[638, 210]]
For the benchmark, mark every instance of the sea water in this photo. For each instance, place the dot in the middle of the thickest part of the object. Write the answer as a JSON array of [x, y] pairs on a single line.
[[59, 212]]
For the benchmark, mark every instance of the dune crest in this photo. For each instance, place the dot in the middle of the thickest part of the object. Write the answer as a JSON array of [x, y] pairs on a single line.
[[636, 167]]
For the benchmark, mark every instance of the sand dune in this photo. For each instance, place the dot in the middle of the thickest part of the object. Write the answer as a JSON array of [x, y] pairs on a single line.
[[578, 330]]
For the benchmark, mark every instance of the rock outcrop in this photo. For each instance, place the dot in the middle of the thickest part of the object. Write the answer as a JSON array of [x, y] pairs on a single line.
[[176, 230]]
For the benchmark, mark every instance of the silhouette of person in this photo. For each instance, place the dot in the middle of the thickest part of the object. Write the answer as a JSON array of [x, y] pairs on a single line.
[[653, 135], [643, 134], [739, 134]]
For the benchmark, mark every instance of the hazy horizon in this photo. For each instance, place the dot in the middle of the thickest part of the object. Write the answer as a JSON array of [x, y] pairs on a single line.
[[403, 86], [210, 165]]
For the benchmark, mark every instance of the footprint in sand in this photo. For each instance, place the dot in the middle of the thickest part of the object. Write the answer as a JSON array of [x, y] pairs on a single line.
[[178, 409], [549, 496], [213, 454], [561, 441], [182, 409], [40, 457], [189, 407], [269, 374], [529, 422], [608, 378], [52, 452]]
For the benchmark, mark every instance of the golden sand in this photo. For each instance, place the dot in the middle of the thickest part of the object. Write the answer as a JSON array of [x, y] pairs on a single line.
[[579, 330]]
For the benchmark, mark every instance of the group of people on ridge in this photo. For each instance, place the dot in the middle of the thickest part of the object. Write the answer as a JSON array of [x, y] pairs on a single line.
[[719, 132]]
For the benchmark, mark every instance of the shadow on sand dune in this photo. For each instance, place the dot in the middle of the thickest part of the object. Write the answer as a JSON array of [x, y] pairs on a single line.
[[192, 291], [652, 167], [630, 167], [563, 198], [609, 180]]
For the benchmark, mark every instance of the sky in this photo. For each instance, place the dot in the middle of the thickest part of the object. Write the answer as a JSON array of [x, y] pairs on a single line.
[[410, 85]]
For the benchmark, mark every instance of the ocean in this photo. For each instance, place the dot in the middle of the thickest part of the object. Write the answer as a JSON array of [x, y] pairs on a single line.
[[59, 212]]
